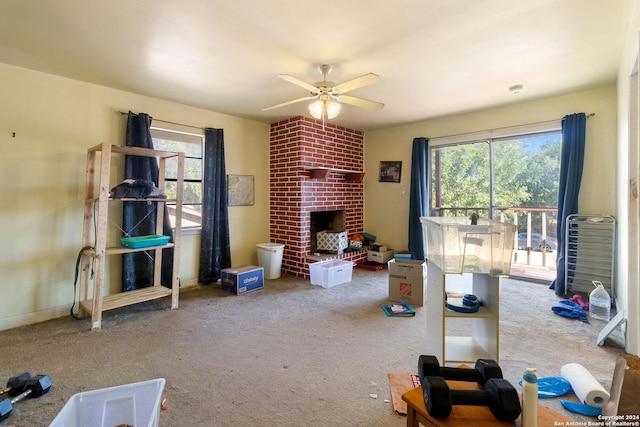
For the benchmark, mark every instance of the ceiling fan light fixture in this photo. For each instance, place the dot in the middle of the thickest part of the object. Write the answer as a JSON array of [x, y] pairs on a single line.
[[324, 108], [333, 109], [317, 109]]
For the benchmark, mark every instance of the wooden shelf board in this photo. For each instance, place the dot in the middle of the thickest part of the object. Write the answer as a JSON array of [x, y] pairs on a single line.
[[136, 151], [123, 299], [115, 250], [129, 199], [121, 250]]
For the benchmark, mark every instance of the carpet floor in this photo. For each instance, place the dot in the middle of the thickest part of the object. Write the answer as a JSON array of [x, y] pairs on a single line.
[[291, 354]]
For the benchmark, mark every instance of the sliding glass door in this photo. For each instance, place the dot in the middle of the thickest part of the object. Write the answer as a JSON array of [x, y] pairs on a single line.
[[461, 179], [509, 179]]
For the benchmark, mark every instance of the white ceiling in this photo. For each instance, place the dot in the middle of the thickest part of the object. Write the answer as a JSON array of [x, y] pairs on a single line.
[[434, 57]]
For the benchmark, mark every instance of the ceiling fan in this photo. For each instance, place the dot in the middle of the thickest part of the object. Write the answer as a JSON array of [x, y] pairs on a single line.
[[330, 95]]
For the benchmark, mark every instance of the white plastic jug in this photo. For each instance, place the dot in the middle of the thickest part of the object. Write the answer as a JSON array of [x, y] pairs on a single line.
[[599, 302]]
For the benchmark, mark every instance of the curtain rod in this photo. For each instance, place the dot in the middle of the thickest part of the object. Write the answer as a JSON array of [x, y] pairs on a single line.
[[165, 121], [502, 128]]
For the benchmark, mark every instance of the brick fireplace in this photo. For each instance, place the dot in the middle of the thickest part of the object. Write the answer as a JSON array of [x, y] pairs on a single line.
[[313, 169]]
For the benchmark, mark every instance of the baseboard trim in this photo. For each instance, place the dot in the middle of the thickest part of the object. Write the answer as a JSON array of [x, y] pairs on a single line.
[[33, 317], [55, 313]]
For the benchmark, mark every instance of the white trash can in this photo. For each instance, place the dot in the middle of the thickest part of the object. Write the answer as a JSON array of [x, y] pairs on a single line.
[[270, 258]]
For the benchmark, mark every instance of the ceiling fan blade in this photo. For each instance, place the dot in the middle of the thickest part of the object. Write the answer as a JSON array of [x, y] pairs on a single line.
[[360, 102], [293, 101], [296, 81], [356, 83]]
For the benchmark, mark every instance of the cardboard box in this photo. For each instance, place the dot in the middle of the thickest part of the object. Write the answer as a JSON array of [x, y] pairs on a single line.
[[624, 388], [243, 279], [407, 280], [381, 257], [380, 248]]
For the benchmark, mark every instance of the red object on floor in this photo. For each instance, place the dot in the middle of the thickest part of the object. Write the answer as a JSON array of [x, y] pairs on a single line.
[[578, 299], [370, 265]]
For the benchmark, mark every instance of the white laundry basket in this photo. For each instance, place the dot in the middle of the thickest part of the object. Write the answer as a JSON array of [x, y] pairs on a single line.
[[270, 258]]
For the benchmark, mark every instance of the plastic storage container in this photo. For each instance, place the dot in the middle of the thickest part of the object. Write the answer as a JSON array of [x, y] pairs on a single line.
[[144, 241], [456, 246], [599, 302], [270, 258], [331, 272], [136, 404]]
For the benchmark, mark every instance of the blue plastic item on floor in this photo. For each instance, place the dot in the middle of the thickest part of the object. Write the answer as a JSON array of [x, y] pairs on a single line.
[[552, 387], [580, 408], [570, 309]]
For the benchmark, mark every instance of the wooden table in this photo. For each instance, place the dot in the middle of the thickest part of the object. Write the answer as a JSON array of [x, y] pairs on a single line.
[[476, 416]]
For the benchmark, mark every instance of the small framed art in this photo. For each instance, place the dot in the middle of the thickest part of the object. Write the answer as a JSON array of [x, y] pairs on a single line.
[[240, 190], [390, 171]]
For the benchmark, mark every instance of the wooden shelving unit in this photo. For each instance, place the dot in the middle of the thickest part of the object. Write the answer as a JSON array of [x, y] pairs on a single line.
[[482, 340], [323, 173], [95, 302]]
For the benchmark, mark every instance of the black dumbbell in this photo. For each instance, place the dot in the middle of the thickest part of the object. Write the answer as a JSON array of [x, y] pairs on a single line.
[[34, 387], [16, 384], [484, 370], [498, 394]]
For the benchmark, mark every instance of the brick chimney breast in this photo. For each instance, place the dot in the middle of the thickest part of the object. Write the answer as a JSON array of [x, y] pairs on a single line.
[[297, 145]]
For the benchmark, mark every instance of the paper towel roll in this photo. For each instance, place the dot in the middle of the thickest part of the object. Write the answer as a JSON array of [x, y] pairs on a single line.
[[584, 385]]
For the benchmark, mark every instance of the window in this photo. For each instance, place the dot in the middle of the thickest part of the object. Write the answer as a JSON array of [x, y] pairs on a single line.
[[513, 179], [192, 146]]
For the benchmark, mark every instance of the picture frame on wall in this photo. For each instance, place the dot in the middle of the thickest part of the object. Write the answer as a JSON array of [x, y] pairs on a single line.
[[390, 171], [240, 190]]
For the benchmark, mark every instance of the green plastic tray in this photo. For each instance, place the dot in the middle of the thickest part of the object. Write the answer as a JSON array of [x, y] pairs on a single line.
[[144, 241]]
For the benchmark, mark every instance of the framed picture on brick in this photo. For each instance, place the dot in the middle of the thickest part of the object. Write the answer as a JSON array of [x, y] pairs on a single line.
[[390, 171]]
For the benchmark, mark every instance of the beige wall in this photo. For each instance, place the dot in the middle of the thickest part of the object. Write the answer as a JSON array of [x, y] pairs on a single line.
[[42, 173], [387, 204], [628, 277]]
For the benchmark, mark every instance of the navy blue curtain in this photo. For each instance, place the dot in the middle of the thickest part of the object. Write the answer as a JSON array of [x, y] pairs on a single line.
[[215, 250], [571, 164], [418, 196], [139, 218]]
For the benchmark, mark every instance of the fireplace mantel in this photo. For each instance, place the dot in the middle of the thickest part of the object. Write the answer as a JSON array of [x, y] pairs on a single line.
[[323, 173]]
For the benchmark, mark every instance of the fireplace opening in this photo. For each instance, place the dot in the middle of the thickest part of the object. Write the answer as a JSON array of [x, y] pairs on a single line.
[[325, 221]]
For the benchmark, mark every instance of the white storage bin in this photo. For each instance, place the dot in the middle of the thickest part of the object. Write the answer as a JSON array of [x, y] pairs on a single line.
[[136, 404], [331, 272], [456, 246]]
